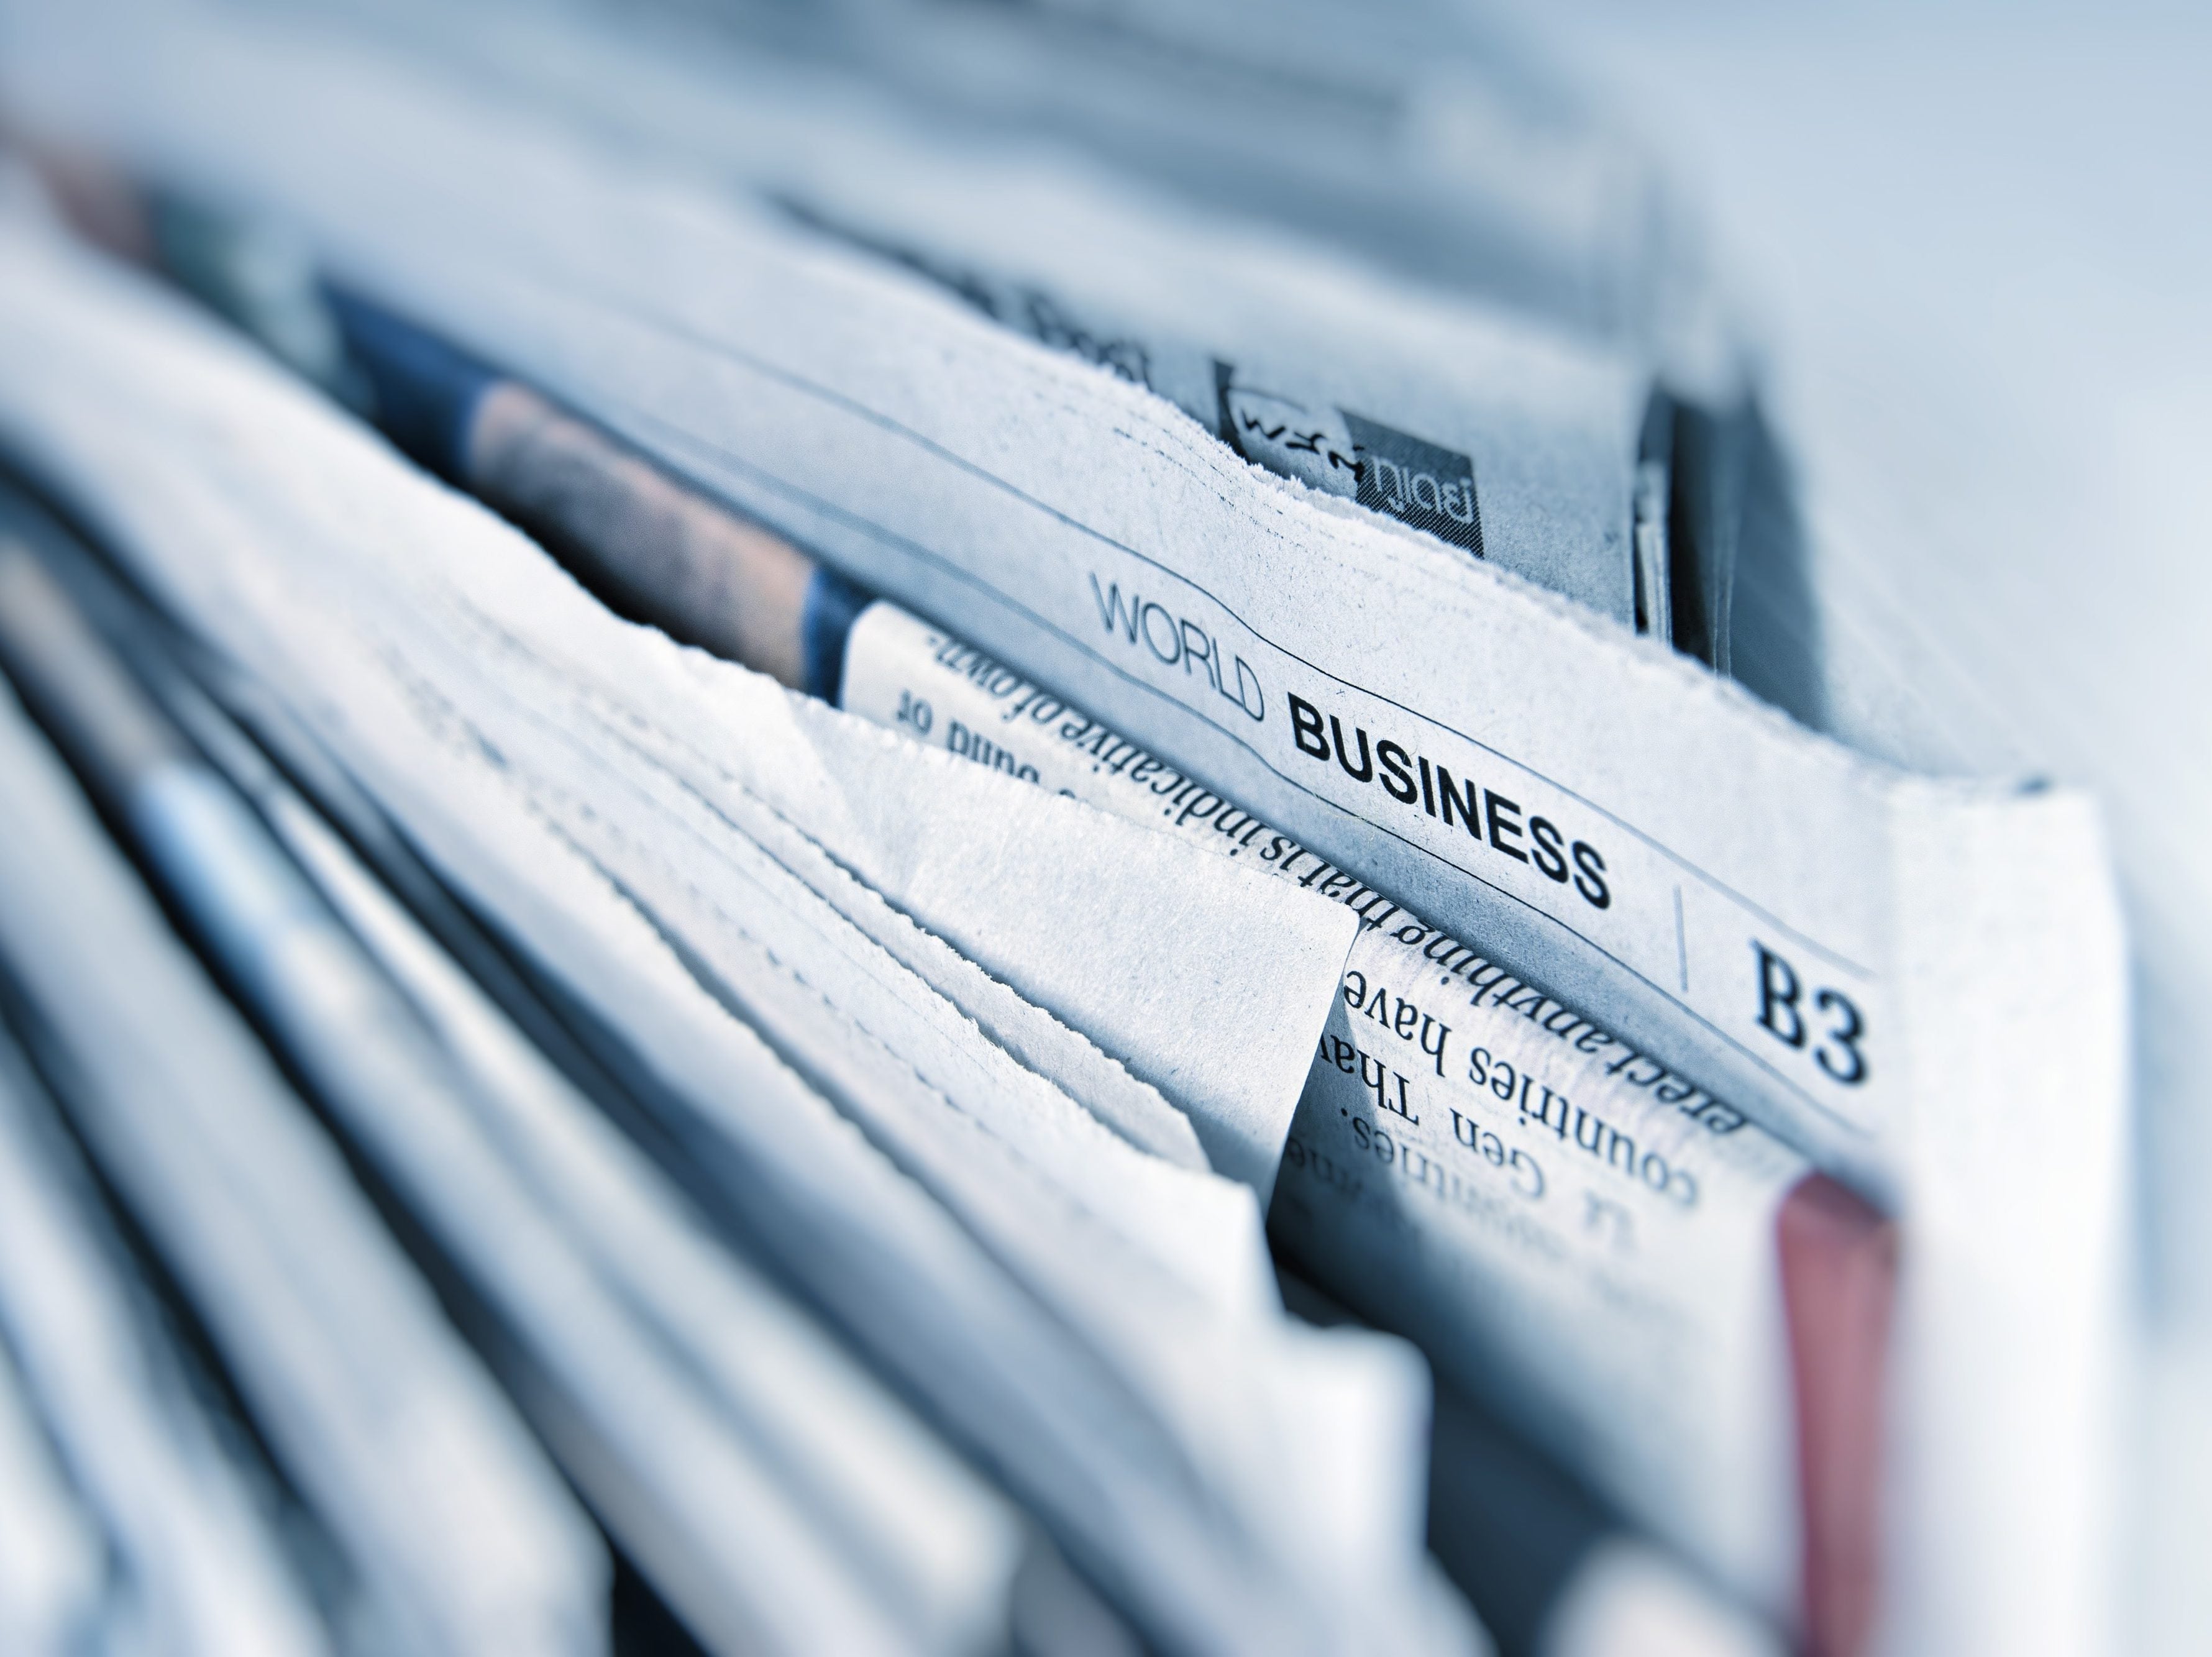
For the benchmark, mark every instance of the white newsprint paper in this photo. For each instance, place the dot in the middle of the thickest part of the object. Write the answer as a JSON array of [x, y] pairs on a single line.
[[897, 1501], [1094, 1322], [458, 1532], [51, 1557], [1499, 435], [205, 1568], [1419, 132], [1920, 982], [1575, 1235]]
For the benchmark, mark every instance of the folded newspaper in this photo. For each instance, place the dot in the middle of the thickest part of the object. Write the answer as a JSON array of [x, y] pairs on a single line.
[[791, 861]]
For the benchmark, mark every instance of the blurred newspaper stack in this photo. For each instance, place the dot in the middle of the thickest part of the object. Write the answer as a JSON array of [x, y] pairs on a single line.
[[914, 826]]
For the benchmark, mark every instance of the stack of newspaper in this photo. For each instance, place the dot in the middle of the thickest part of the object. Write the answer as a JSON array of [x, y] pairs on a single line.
[[914, 827]]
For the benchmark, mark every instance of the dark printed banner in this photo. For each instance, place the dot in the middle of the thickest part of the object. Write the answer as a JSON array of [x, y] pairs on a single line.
[[1416, 483]]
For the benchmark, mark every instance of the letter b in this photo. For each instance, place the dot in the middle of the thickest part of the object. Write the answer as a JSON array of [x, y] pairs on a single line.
[[1778, 994], [1305, 728]]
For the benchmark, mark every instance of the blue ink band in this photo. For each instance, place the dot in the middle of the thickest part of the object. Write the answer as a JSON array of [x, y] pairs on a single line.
[[426, 391], [832, 605]]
